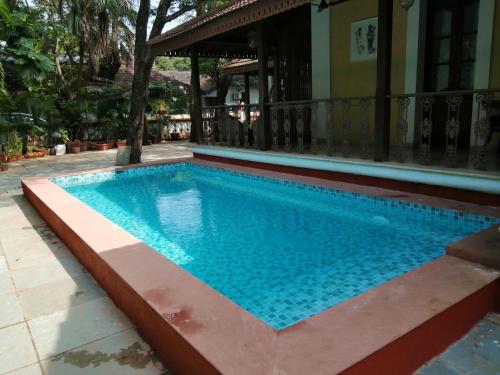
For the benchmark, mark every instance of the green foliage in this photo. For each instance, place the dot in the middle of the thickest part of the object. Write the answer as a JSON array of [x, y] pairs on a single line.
[[13, 145], [173, 63]]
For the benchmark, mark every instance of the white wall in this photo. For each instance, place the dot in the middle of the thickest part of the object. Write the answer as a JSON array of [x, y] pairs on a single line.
[[320, 59]]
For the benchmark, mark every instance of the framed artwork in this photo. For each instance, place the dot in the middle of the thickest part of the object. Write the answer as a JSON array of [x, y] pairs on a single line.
[[364, 39]]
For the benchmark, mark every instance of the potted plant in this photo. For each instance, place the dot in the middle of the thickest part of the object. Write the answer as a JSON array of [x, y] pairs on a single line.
[[60, 137], [102, 146], [74, 147], [3, 166], [13, 149], [84, 146]]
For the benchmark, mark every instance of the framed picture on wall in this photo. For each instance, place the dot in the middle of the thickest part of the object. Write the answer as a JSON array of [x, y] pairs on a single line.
[[364, 39]]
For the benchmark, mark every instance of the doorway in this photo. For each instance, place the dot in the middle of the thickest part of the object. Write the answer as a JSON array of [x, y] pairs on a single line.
[[450, 58]]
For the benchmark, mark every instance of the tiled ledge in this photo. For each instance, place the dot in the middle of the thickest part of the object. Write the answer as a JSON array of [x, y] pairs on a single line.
[[441, 177]]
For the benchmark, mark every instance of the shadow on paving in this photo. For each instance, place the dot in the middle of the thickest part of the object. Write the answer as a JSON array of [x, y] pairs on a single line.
[[90, 336]]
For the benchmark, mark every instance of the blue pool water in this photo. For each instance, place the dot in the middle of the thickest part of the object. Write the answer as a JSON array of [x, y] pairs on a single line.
[[281, 250]]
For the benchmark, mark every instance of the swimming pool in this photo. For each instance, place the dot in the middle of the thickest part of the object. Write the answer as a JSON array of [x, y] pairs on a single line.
[[283, 251]]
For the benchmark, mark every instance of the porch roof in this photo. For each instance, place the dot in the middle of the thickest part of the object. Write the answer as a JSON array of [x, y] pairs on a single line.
[[204, 29]]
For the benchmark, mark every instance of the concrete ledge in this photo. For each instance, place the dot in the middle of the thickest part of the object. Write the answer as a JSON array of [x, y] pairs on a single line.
[[482, 248], [196, 330], [456, 183]]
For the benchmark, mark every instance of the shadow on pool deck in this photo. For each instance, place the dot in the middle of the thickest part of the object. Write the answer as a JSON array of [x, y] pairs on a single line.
[[75, 328]]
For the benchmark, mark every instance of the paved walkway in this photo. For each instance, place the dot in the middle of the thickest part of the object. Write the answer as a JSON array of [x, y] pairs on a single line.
[[54, 318]]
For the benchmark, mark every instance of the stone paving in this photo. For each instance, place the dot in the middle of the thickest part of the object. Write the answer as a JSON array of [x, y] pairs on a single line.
[[54, 318]]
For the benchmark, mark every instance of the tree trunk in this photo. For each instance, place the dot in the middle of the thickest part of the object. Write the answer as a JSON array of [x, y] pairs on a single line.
[[80, 67], [143, 64]]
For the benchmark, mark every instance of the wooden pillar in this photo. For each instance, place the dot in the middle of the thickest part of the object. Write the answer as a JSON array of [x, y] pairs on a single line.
[[382, 103], [276, 76], [196, 119], [247, 95], [264, 129]]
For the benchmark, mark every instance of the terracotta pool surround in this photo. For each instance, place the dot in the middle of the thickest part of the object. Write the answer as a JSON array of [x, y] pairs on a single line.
[[394, 328]]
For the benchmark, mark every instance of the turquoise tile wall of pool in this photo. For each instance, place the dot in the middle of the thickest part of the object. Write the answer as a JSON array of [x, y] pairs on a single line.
[[284, 251]]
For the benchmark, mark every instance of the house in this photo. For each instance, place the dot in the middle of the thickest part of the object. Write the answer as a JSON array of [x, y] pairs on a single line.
[[381, 80]]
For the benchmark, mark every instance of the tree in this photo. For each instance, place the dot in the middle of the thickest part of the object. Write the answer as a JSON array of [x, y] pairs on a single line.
[[143, 63], [167, 11]]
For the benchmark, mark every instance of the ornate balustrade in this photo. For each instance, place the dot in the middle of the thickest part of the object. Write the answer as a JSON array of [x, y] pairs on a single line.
[[467, 114], [322, 126], [228, 125], [427, 128]]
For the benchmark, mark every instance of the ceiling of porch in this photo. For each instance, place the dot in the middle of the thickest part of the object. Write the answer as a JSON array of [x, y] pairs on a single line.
[[224, 32]]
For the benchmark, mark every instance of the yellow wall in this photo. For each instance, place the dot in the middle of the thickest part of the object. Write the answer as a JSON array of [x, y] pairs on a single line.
[[359, 78]]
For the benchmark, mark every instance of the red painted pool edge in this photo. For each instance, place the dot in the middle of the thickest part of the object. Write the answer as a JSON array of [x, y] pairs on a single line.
[[404, 355], [412, 350], [409, 187]]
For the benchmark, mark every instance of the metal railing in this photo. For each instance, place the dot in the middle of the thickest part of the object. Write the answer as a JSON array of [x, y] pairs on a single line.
[[345, 127], [453, 122], [230, 125]]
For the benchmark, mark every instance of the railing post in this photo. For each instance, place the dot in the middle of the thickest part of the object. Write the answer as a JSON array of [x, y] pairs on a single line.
[[482, 129], [452, 129], [300, 128], [346, 127], [246, 125], [403, 104], [287, 126], [364, 126], [329, 107], [314, 127], [426, 129], [274, 126]]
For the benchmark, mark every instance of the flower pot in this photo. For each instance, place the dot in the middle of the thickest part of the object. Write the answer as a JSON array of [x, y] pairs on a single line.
[[4, 167], [93, 146], [101, 146], [84, 146], [60, 150], [121, 143], [111, 144], [75, 149], [42, 152]]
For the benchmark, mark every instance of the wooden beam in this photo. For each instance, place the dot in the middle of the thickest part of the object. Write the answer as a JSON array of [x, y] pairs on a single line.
[[247, 95], [264, 129], [276, 75], [196, 120], [382, 103]]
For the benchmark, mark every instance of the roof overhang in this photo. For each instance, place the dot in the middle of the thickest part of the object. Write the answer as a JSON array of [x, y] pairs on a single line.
[[234, 15]]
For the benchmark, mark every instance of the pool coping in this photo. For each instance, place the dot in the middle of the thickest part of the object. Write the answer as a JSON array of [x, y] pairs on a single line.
[[466, 187], [197, 330]]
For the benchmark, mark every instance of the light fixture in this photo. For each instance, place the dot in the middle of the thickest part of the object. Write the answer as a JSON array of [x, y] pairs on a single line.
[[324, 4], [406, 4], [252, 39]]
